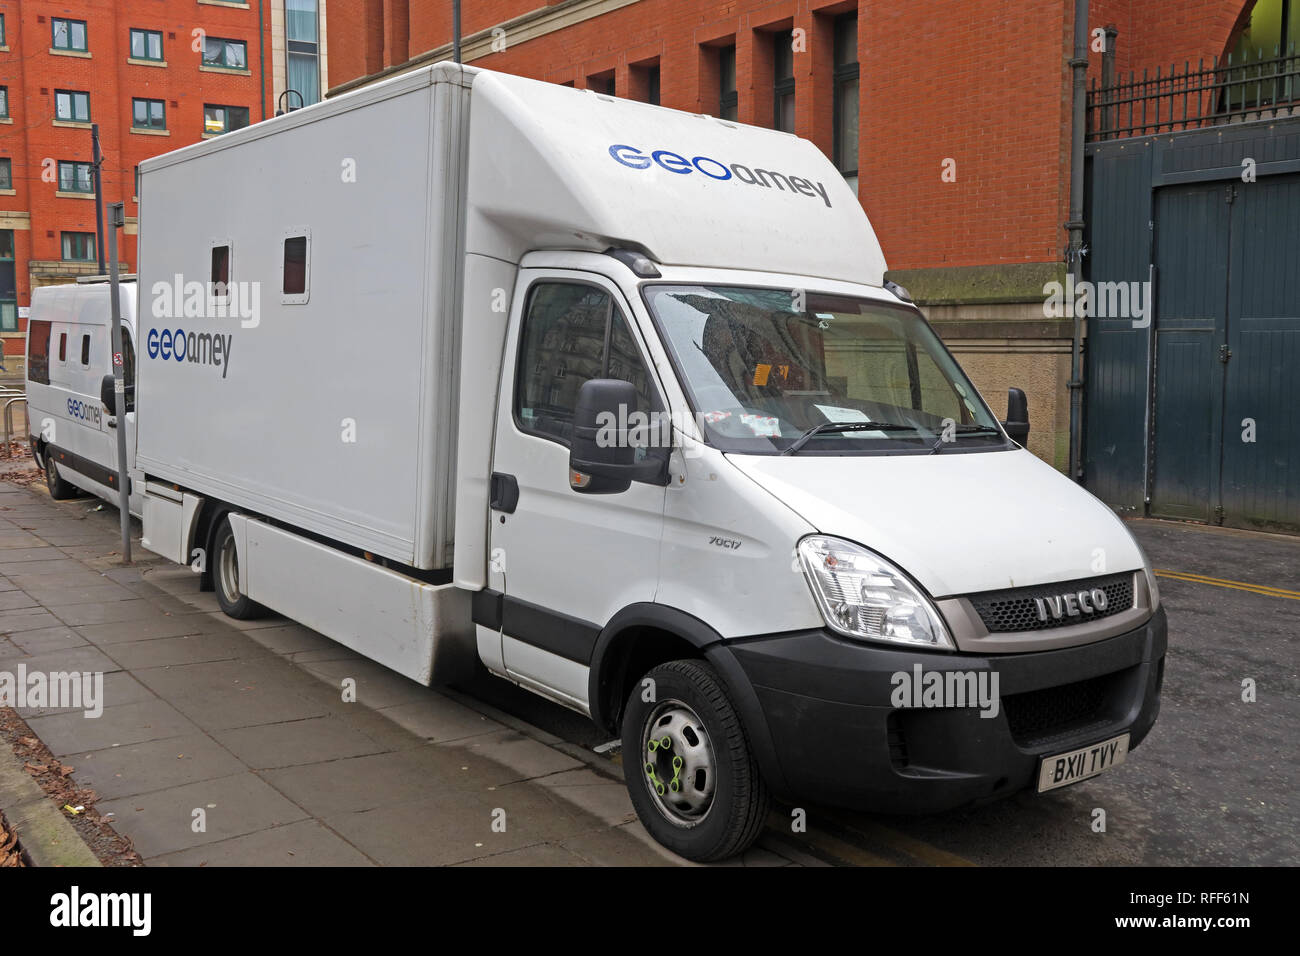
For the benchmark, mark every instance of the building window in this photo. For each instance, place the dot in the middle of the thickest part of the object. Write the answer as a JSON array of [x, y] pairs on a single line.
[[783, 85], [2, 29], [148, 114], [6, 173], [146, 45], [223, 119], [75, 178], [652, 93], [846, 98], [4, 102], [79, 247], [8, 286], [228, 54], [69, 34], [728, 102], [1272, 31], [302, 72], [72, 106]]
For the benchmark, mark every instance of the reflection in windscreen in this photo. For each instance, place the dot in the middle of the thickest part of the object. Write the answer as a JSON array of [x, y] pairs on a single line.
[[765, 365]]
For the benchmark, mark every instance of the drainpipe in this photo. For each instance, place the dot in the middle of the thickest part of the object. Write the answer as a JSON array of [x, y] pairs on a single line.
[[261, 55], [455, 30], [1075, 251]]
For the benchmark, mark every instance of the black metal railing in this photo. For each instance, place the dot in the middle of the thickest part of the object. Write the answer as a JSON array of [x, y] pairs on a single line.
[[1247, 88]]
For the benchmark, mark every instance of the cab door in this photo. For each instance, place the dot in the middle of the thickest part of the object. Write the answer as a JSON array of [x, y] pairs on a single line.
[[567, 561]]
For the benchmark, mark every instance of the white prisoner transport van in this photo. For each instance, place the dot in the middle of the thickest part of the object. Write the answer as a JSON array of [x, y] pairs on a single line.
[[70, 400], [616, 399]]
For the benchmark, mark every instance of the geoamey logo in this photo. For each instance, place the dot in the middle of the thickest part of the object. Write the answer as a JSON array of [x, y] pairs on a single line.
[[84, 411], [633, 158], [203, 348]]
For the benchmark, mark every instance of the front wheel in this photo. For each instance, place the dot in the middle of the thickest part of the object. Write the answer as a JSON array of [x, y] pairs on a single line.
[[689, 769], [225, 576], [60, 490]]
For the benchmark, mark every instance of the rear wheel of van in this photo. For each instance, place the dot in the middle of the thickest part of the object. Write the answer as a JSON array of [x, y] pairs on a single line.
[[225, 576], [689, 769], [60, 490]]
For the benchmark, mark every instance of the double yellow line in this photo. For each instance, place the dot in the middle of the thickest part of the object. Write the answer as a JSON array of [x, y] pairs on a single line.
[[1235, 585]]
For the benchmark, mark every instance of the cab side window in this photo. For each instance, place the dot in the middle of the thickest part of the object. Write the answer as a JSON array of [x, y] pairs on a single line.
[[128, 370], [572, 333], [38, 352]]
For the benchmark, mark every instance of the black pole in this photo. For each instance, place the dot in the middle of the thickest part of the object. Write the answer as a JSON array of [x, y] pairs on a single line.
[[1074, 254], [118, 421], [99, 195], [455, 29]]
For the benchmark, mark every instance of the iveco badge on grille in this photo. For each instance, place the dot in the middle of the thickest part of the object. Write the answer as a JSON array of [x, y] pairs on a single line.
[[1074, 604]]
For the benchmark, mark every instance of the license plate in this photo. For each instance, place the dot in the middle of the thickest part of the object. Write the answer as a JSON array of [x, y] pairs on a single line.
[[1062, 770]]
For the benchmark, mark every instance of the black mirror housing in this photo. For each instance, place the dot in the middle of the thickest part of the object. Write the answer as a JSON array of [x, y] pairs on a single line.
[[1017, 423], [602, 453], [108, 394]]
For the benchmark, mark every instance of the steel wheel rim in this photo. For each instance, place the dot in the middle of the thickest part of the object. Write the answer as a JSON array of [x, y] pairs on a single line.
[[228, 571], [678, 763], [51, 474]]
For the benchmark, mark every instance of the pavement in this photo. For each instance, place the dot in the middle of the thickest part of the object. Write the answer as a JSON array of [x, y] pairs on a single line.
[[226, 742]]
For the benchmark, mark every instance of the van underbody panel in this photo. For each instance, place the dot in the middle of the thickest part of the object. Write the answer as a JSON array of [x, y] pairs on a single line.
[[420, 630]]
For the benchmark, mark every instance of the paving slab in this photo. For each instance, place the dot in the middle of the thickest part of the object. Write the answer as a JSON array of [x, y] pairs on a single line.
[[311, 741], [164, 821], [188, 649], [440, 719], [154, 765], [121, 632], [305, 843], [119, 688], [45, 639], [74, 733]]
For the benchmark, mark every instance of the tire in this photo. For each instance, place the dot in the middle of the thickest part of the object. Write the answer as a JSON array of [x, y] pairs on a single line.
[[60, 490], [718, 810], [225, 576]]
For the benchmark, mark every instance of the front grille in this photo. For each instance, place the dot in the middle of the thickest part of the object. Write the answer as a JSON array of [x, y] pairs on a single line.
[[1017, 609], [1039, 715]]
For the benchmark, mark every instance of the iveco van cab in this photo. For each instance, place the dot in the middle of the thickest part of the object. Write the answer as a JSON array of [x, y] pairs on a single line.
[[617, 400], [70, 401]]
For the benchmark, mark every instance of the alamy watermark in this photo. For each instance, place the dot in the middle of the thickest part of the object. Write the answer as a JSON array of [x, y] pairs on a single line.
[[77, 690], [1099, 300], [919, 688]]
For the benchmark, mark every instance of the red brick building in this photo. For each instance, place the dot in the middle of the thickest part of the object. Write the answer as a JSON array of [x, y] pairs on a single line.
[[153, 75], [954, 116]]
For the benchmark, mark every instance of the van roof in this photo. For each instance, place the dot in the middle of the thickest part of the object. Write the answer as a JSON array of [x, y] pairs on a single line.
[[555, 167], [83, 303]]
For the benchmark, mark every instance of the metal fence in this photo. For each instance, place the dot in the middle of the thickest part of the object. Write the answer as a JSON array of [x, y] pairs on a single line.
[[1253, 87]]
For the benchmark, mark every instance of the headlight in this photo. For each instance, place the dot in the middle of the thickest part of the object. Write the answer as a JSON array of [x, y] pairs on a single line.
[[864, 596], [1152, 589]]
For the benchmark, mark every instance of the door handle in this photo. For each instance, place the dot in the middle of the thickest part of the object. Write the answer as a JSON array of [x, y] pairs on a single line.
[[112, 423], [504, 493]]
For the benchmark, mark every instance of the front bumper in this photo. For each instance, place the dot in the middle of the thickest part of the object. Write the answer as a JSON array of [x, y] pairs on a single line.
[[818, 711]]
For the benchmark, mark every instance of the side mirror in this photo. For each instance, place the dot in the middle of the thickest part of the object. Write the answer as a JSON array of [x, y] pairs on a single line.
[[107, 394], [1017, 423], [606, 427]]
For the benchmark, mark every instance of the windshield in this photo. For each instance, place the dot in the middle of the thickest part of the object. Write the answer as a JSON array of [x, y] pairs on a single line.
[[763, 367]]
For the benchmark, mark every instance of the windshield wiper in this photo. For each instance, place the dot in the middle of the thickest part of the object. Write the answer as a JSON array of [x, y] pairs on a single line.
[[827, 428], [966, 430]]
